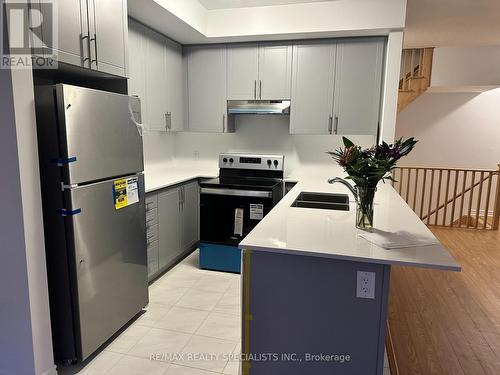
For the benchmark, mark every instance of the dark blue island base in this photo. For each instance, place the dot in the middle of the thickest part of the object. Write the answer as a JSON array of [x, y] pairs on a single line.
[[301, 316]]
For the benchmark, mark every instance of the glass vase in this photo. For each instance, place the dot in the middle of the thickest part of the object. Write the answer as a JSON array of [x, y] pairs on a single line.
[[364, 207]]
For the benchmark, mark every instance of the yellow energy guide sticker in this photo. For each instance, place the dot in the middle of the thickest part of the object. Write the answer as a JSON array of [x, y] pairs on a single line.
[[120, 193]]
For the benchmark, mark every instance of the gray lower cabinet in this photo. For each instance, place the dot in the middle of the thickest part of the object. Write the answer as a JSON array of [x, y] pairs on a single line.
[[190, 211], [172, 217], [169, 218]]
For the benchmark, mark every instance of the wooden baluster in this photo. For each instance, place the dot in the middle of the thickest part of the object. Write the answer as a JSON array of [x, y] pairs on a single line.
[[438, 197], [488, 193], [478, 206], [448, 172], [454, 198], [496, 207], [412, 63], [400, 180], [417, 170], [423, 195], [408, 186], [430, 196], [405, 52], [471, 197], [421, 62], [463, 199]]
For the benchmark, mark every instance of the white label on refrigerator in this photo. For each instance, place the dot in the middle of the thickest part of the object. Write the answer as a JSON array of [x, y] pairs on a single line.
[[238, 221], [256, 211], [132, 190]]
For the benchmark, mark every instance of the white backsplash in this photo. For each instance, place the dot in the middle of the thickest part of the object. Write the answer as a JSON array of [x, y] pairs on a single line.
[[254, 134]]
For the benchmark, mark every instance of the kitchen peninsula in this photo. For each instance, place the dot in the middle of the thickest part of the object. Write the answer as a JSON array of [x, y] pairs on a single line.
[[302, 271]]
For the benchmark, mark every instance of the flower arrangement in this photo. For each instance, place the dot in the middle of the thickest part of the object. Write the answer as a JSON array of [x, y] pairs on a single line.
[[366, 168]]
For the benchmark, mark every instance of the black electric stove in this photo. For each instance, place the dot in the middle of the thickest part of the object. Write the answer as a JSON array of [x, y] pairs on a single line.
[[247, 188]]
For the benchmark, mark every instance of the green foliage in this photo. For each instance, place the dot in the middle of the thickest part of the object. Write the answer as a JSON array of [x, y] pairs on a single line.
[[366, 167]]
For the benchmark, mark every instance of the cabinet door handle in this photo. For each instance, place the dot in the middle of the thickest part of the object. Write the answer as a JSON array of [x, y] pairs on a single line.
[[330, 124], [260, 89], [168, 121], [82, 38], [336, 127], [94, 39], [223, 122], [255, 89]]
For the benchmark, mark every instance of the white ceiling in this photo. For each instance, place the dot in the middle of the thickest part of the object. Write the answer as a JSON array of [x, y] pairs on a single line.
[[226, 4], [442, 23]]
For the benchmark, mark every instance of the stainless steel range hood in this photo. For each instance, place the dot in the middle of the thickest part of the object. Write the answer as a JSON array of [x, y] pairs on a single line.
[[258, 107]]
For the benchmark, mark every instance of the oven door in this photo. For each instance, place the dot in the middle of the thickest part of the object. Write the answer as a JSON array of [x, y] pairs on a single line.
[[223, 209]]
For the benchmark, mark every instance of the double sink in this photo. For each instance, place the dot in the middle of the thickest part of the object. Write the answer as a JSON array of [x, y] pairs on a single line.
[[325, 201]]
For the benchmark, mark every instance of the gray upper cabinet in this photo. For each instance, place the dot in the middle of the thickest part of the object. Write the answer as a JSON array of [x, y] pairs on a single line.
[[156, 81], [175, 86], [207, 103], [157, 76], [92, 34], [275, 67], [190, 214], [73, 33], [336, 86], [137, 65], [242, 72], [257, 72], [358, 77], [108, 35], [169, 225], [312, 88]]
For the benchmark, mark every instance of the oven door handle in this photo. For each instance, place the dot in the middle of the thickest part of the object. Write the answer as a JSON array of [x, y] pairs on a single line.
[[237, 193]]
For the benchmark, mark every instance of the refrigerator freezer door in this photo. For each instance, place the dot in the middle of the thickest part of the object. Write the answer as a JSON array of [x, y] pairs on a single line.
[[99, 129], [110, 261]]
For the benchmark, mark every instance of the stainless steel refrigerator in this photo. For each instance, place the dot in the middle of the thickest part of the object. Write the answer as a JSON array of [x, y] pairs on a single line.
[[91, 166]]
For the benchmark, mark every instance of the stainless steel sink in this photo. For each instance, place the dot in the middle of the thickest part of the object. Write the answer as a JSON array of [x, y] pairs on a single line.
[[325, 201]]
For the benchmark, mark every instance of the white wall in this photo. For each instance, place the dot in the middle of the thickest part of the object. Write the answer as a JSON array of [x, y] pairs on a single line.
[[466, 66], [454, 129], [187, 22], [261, 134], [25, 333], [158, 149], [361, 16]]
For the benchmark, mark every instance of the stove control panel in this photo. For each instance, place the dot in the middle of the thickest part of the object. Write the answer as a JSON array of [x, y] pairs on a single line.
[[249, 161]]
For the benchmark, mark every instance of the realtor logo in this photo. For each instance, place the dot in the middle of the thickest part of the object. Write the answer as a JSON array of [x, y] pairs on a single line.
[[29, 34]]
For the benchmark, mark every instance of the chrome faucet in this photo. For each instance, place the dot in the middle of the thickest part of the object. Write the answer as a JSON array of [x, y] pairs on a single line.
[[347, 184]]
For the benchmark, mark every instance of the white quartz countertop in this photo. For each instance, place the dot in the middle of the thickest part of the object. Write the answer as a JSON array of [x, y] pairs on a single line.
[[332, 234], [164, 177]]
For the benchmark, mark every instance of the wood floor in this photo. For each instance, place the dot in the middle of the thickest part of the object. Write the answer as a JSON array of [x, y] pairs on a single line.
[[446, 322]]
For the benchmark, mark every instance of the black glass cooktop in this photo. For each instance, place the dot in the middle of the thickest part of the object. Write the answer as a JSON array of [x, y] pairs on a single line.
[[242, 183]]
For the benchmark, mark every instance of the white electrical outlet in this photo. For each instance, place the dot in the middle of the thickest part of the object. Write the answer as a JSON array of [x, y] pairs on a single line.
[[365, 286]]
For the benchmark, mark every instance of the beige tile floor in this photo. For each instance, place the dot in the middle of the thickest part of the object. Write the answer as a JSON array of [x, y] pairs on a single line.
[[191, 311]]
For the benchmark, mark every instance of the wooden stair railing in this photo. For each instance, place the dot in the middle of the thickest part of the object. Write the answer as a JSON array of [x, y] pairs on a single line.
[[416, 69], [451, 197]]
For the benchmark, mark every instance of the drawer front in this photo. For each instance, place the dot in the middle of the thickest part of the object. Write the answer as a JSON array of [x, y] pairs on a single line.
[[152, 258], [151, 201], [152, 217], [152, 233]]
